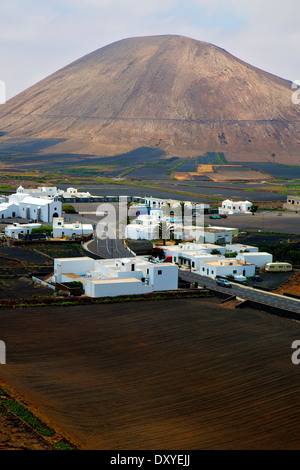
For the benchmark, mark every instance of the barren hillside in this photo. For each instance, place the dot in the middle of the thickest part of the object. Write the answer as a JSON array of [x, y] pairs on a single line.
[[184, 96]]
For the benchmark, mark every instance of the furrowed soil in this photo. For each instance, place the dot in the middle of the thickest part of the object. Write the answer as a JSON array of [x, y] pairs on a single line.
[[176, 374]]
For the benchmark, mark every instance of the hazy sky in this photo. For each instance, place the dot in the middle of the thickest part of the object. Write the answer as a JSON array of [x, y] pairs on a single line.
[[40, 36]]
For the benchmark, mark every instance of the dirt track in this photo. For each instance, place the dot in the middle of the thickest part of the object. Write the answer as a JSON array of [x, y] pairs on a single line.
[[183, 374]]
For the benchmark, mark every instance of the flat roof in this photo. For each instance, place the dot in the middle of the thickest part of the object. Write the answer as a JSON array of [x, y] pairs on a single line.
[[73, 226], [75, 276], [78, 258], [117, 280], [195, 253], [240, 245], [218, 263], [255, 253]]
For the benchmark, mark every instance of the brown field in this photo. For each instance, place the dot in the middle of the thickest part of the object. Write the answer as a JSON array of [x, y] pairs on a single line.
[[292, 286], [183, 374], [222, 173], [250, 175]]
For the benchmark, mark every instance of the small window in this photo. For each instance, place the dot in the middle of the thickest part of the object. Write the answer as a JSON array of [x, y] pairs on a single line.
[[159, 272], [147, 270], [234, 271]]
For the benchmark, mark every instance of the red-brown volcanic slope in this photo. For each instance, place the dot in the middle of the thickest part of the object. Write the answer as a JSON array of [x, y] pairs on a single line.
[[183, 374], [184, 96]]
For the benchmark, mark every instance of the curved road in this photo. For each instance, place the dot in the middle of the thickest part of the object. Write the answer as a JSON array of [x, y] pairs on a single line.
[[244, 292], [109, 248]]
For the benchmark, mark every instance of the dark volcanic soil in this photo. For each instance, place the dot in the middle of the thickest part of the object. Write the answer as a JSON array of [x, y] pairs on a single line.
[[15, 435], [183, 374]]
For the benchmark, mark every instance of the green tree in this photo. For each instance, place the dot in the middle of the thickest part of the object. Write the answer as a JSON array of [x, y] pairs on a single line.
[[254, 208], [231, 255], [68, 209]]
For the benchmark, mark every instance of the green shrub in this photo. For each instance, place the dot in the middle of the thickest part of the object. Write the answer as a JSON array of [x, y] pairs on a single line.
[[27, 417], [68, 209], [42, 229]]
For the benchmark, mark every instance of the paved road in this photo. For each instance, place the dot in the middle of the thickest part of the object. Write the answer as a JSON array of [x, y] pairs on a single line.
[[109, 248], [105, 248], [269, 221], [243, 292]]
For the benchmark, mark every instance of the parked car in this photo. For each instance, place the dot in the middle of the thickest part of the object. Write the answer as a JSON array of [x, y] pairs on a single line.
[[214, 216], [223, 216], [256, 278], [223, 282]]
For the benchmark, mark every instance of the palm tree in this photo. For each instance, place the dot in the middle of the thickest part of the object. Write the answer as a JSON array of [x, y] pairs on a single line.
[[165, 228]]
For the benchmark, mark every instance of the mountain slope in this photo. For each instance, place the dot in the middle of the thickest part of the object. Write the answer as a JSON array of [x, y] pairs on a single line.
[[184, 96]]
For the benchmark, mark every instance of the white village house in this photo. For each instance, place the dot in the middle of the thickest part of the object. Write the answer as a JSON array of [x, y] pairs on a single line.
[[43, 191], [144, 227], [259, 259], [200, 259], [292, 203], [227, 266], [53, 191], [153, 202], [215, 234], [15, 229], [230, 207], [175, 251], [239, 248], [213, 266], [114, 277], [62, 229]]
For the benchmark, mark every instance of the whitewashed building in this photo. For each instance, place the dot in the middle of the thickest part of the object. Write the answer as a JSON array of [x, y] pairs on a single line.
[[144, 227], [9, 210], [214, 234], [224, 267], [292, 203], [40, 209], [22, 204], [189, 207], [193, 260], [114, 277], [213, 265], [62, 229], [230, 207], [74, 193], [135, 210], [258, 259], [15, 229], [177, 250], [239, 248], [44, 191]]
